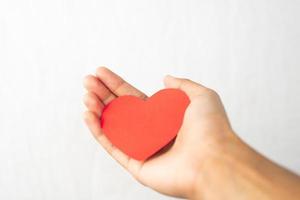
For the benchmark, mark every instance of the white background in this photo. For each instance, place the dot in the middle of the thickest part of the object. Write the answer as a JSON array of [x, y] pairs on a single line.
[[249, 51]]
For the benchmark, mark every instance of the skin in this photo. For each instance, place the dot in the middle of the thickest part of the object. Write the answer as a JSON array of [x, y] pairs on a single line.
[[206, 161]]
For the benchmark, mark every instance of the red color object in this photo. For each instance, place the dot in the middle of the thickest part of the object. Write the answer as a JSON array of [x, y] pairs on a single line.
[[140, 127]]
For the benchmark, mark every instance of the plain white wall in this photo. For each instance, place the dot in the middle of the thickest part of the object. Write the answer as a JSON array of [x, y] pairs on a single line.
[[249, 51]]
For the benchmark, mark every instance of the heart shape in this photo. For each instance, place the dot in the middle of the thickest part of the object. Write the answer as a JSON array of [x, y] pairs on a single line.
[[140, 128]]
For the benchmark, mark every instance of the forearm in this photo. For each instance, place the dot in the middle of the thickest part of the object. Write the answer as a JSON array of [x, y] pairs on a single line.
[[241, 173]]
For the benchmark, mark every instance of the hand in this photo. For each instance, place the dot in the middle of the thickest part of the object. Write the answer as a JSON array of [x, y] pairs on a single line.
[[172, 171], [207, 160]]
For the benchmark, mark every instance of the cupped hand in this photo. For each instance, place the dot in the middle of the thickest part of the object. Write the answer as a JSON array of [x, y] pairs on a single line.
[[176, 168]]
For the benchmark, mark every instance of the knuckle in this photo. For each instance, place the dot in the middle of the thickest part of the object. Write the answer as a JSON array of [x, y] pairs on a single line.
[[89, 100], [86, 98], [92, 103], [185, 80], [212, 93]]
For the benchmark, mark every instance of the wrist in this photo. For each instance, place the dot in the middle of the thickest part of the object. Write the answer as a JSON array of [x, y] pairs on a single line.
[[228, 171]]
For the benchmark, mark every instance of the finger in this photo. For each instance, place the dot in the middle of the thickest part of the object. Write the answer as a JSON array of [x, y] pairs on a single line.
[[92, 121], [192, 89], [116, 84], [93, 103], [93, 84]]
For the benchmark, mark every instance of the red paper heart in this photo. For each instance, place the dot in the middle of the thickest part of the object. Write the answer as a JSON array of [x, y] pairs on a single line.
[[140, 127]]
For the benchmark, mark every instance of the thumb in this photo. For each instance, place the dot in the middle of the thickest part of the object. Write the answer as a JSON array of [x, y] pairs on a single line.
[[191, 88]]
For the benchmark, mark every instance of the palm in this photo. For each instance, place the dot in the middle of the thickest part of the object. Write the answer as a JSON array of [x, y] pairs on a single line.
[[159, 172]]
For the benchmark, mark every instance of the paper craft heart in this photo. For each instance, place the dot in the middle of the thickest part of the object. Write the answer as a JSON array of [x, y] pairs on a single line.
[[140, 127]]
